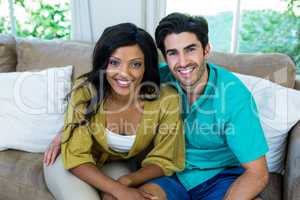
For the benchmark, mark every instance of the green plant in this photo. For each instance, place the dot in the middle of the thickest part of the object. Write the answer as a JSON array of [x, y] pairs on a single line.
[[270, 31], [293, 7], [44, 20], [47, 21]]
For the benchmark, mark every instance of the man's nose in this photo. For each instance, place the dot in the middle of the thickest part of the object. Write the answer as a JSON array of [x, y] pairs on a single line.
[[182, 60]]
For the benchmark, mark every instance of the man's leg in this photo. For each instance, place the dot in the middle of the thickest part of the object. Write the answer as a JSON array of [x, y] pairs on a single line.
[[216, 187], [155, 190], [166, 188]]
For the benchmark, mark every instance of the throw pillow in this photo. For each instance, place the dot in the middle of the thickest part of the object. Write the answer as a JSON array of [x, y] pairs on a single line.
[[279, 110], [32, 107]]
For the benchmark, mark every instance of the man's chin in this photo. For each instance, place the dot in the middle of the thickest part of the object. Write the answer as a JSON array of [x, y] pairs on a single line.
[[187, 84]]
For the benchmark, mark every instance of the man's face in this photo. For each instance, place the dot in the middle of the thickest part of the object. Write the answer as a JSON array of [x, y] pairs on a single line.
[[186, 58]]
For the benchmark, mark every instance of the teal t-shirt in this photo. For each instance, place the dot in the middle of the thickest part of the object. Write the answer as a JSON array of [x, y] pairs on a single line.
[[222, 128]]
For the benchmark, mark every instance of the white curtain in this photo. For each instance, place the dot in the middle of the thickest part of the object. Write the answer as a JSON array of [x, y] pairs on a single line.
[[82, 25], [154, 11], [90, 17]]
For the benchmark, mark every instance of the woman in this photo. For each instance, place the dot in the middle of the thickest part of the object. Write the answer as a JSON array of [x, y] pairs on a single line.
[[116, 112]]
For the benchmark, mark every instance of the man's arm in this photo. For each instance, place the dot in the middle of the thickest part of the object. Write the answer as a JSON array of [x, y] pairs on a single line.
[[251, 182]]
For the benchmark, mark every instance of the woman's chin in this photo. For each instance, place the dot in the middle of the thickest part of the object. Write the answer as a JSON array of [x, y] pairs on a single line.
[[124, 92]]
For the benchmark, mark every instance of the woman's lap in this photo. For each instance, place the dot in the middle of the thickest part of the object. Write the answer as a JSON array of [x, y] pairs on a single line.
[[64, 185]]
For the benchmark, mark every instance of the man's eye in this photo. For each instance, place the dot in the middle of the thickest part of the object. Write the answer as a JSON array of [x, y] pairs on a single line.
[[171, 53], [191, 49]]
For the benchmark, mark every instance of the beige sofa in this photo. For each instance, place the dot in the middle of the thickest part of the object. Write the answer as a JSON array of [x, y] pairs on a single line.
[[21, 174]]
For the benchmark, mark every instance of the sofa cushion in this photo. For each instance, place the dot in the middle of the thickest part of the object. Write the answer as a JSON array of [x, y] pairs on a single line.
[[21, 176], [273, 191], [32, 107], [275, 67], [8, 58], [37, 54]]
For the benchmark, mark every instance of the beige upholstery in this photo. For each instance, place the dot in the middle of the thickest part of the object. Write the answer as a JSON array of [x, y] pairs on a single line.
[[37, 54], [8, 57], [292, 174], [297, 83], [21, 172], [276, 67], [273, 190], [21, 176]]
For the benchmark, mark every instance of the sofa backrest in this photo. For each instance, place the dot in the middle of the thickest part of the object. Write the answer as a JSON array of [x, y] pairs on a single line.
[[8, 57], [275, 67], [37, 54]]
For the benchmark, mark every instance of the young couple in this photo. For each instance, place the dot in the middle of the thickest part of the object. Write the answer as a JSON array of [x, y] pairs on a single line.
[[119, 113]]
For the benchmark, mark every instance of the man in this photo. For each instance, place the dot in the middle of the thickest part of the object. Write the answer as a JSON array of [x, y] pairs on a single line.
[[225, 144]]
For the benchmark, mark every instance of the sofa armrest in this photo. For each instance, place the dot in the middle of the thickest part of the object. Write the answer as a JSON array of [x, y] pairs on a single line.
[[292, 174], [297, 82]]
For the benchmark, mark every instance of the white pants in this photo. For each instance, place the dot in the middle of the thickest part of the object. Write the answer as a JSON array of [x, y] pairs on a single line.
[[65, 186]]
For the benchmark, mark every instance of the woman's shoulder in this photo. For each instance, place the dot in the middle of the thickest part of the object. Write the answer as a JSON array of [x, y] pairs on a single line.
[[168, 95], [167, 90], [80, 89]]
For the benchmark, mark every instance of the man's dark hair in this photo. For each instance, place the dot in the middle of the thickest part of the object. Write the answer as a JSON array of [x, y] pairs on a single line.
[[178, 23]]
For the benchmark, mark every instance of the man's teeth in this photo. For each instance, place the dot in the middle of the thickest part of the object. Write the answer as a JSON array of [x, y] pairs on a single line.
[[186, 70]]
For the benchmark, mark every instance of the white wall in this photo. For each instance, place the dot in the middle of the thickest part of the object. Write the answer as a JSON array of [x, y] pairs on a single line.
[[110, 12], [91, 17]]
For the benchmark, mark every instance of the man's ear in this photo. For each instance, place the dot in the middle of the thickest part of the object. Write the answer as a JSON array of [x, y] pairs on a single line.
[[207, 51]]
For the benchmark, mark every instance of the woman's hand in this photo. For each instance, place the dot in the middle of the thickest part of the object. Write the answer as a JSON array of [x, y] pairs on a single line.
[[53, 150], [125, 180], [134, 194], [107, 196]]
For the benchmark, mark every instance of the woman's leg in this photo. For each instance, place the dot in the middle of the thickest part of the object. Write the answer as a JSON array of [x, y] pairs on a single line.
[[65, 186], [116, 169]]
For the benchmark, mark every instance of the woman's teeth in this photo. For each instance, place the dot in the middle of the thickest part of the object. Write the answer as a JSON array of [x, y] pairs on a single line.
[[123, 83]]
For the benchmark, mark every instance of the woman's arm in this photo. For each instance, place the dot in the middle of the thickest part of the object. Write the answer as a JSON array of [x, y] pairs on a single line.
[[142, 175], [93, 176], [53, 150], [89, 173]]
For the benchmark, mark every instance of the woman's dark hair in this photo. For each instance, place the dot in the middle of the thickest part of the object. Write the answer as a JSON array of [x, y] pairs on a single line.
[[124, 34], [178, 23]]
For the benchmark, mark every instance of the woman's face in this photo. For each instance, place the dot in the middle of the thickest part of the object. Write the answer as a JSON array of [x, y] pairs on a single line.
[[125, 70]]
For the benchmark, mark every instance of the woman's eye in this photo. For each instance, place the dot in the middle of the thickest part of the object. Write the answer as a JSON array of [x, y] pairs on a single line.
[[114, 62], [136, 65]]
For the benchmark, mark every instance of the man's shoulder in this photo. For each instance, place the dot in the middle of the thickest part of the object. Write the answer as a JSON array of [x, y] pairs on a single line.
[[232, 92], [229, 82]]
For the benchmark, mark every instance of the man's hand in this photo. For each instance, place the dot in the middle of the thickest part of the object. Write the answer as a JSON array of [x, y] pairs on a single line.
[[53, 150]]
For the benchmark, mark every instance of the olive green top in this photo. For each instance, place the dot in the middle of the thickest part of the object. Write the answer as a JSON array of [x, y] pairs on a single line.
[[160, 126]]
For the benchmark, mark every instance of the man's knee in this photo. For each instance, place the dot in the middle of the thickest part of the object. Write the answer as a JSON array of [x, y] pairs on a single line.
[[155, 190]]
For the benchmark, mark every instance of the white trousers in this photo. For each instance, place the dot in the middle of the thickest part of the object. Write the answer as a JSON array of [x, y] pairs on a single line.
[[65, 186]]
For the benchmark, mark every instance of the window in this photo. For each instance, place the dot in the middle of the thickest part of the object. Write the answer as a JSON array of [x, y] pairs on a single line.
[[244, 26], [219, 15], [45, 19]]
